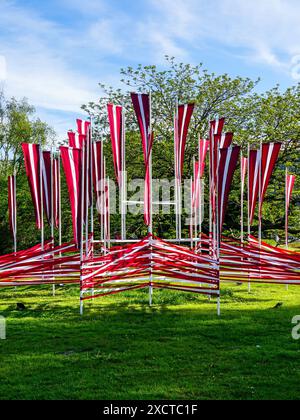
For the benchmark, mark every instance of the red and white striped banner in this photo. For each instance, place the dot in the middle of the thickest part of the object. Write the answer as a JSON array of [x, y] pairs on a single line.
[[215, 135], [253, 174], [115, 119], [83, 127], [261, 165], [142, 108], [203, 149], [269, 156], [56, 191], [290, 183], [12, 204], [72, 164], [47, 188], [182, 123], [228, 161], [225, 140], [76, 140], [31, 154]]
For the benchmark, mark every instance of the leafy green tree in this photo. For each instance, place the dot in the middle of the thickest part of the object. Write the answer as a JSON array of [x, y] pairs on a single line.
[[253, 117]]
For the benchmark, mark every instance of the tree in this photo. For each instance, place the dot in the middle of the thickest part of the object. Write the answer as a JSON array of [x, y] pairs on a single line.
[[18, 124], [253, 117]]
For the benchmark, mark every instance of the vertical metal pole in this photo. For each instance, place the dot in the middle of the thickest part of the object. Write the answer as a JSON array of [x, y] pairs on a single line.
[[59, 204], [123, 180], [52, 210], [260, 198], [242, 202], [286, 215], [192, 214], [15, 214], [81, 228], [150, 229], [176, 207], [87, 186], [249, 210], [91, 184], [218, 231], [286, 211]]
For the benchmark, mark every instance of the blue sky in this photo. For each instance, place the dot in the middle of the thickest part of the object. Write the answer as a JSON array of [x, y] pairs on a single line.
[[55, 52]]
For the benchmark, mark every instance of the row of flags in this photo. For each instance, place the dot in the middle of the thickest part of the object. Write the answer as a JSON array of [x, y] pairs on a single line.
[[83, 164]]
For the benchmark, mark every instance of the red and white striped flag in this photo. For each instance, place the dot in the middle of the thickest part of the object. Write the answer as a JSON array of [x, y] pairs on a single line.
[[141, 105], [269, 156], [98, 176], [290, 183], [12, 204], [116, 132], [72, 164], [203, 149], [199, 172], [56, 191], [47, 190], [31, 154], [253, 174], [228, 162], [182, 123], [215, 134], [76, 140], [83, 127], [261, 162]]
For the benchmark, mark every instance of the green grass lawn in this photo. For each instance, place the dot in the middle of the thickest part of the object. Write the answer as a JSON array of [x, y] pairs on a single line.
[[178, 349]]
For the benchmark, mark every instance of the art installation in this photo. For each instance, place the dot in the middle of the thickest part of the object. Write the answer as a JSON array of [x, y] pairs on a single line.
[[113, 265]]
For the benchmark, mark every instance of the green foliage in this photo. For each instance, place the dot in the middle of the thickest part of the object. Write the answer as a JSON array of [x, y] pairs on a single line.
[[18, 125]]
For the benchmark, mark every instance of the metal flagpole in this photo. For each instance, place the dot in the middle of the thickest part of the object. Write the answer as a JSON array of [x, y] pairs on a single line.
[[249, 210], [42, 204], [87, 186], [286, 215], [59, 204], [81, 227], [218, 229], [175, 178], [286, 210], [104, 206], [192, 214], [150, 229], [242, 201], [52, 207], [260, 197], [100, 204], [15, 212], [123, 180], [200, 196], [91, 184]]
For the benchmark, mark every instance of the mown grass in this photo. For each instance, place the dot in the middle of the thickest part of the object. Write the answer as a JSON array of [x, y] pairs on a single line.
[[177, 349]]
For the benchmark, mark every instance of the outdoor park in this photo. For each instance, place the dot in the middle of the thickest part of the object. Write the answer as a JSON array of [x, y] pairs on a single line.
[[152, 251]]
